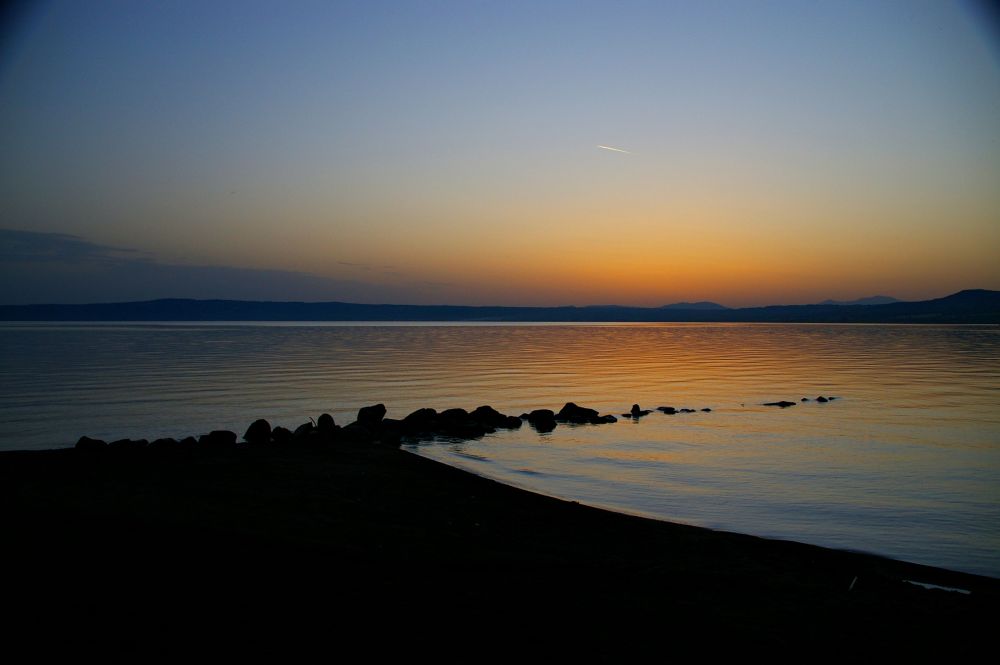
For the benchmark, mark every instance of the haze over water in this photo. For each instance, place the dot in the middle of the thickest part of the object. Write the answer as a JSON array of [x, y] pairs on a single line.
[[906, 462]]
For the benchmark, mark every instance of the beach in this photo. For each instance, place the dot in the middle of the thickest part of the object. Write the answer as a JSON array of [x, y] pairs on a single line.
[[277, 547]]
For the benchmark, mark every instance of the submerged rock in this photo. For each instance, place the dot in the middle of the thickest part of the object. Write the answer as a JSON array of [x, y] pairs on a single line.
[[822, 399], [707, 410], [783, 404], [669, 410]]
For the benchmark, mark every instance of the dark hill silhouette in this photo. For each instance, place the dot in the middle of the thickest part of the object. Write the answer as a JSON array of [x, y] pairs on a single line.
[[870, 300], [971, 306], [695, 305]]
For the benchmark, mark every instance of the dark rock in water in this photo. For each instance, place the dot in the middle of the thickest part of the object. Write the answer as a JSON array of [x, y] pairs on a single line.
[[325, 423], [804, 399], [421, 421], [258, 433], [543, 420], [687, 410], [303, 430], [281, 435], [571, 413], [219, 438], [707, 410], [371, 416], [636, 412], [822, 399], [326, 431], [130, 445], [783, 404], [524, 416], [454, 415], [511, 422], [356, 433], [464, 429], [487, 415], [607, 419], [187, 443], [669, 410], [87, 444], [830, 398], [165, 444]]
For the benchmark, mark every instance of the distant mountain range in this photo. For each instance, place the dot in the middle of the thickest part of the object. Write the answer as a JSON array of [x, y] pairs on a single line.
[[870, 300], [694, 305], [971, 306]]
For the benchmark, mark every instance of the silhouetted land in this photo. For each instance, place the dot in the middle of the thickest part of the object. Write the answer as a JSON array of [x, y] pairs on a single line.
[[269, 551], [971, 306]]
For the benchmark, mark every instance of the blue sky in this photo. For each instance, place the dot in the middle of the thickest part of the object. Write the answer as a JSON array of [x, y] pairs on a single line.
[[446, 151]]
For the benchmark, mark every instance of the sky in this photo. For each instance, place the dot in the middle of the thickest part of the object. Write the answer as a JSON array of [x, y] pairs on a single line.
[[448, 152]]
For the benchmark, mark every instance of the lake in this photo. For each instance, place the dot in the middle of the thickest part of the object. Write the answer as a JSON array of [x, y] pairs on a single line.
[[905, 462]]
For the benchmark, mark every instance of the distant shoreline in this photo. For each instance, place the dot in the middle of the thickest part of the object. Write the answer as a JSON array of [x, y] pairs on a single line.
[[970, 306]]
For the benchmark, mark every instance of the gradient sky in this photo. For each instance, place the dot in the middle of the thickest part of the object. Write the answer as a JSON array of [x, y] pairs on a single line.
[[446, 152]]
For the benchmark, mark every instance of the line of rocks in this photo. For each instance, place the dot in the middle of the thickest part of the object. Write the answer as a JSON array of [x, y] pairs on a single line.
[[370, 427], [784, 404]]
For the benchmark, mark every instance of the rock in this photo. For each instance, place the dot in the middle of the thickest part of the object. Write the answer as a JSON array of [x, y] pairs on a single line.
[[783, 404], [543, 420], [187, 443], [165, 444], [455, 415], [512, 422], [325, 424], [356, 433], [89, 445], [822, 399], [371, 416], [258, 433], [421, 421], [571, 413], [687, 410], [487, 415], [303, 431], [219, 438], [707, 410], [129, 445], [804, 399], [636, 412], [281, 435], [669, 410], [607, 419]]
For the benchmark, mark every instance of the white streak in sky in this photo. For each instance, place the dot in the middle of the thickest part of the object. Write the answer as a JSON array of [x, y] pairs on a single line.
[[607, 147]]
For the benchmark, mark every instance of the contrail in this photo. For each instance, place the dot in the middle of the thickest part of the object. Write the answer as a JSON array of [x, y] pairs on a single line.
[[607, 147]]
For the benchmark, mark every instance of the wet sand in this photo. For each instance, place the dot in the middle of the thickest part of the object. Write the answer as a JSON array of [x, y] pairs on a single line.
[[279, 550]]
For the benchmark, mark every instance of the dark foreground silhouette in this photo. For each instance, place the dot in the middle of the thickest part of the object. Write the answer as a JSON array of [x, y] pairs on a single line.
[[273, 550]]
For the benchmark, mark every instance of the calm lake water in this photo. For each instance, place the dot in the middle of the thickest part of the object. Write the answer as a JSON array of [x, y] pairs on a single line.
[[906, 462]]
